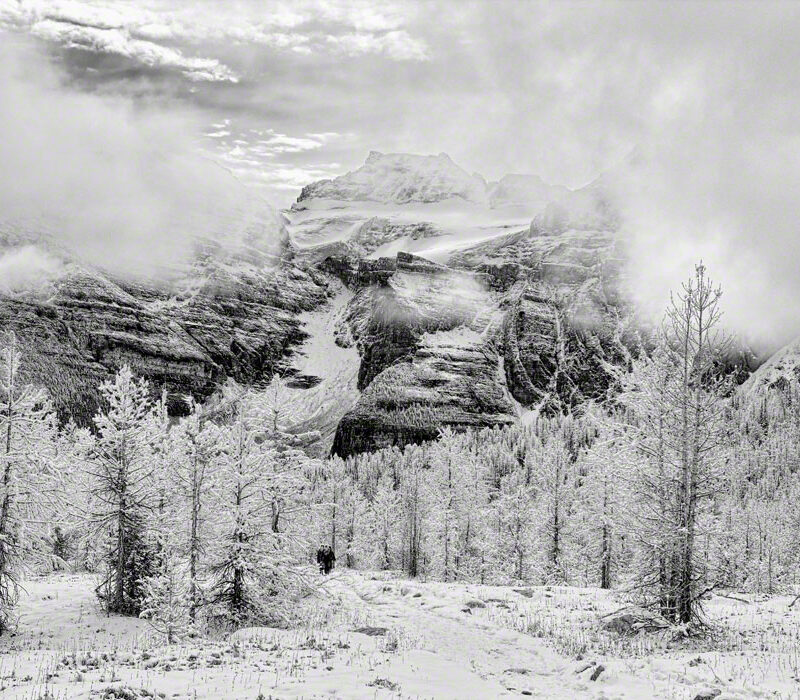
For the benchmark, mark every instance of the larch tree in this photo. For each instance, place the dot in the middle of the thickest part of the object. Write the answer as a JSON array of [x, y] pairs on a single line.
[[385, 509], [677, 428], [29, 474], [254, 559], [122, 469], [196, 441], [444, 493]]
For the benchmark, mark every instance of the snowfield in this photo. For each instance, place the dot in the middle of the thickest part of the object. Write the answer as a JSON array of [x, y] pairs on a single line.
[[378, 635]]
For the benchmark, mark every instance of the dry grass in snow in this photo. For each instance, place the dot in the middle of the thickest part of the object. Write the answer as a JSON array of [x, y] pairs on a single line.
[[377, 635]]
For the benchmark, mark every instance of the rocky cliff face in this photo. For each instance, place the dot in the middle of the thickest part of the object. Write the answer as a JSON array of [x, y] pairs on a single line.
[[468, 309], [400, 298], [237, 323]]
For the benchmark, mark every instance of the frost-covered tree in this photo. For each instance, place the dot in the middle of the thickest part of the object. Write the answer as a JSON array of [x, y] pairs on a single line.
[[600, 501], [166, 594], [345, 516], [254, 561], [121, 464], [676, 425], [384, 513], [445, 503], [29, 474], [516, 514], [554, 482], [196, 445], [412, 494]]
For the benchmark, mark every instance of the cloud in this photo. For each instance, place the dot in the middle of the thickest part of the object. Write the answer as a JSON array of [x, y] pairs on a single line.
[[119, 42], [26, 268], [106, 181], [708, 91], [258, 157], [399, 45], [148, 31]]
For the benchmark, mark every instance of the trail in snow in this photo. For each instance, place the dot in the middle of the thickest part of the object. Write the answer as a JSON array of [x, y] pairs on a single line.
[[377, 635]]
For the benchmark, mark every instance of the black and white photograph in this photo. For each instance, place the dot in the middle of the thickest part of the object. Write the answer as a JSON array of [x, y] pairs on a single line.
[[399, 349]]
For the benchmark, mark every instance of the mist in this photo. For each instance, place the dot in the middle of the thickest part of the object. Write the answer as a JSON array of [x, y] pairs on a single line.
[[104, 179], [707, 95]]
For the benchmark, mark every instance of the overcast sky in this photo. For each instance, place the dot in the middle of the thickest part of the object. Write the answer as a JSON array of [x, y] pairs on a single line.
[[305, 89], [284, 93]]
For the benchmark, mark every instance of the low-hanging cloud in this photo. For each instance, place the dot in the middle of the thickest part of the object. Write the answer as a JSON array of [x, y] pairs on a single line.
[[707, 92], [706, 96], [26, 268], [107, 181]]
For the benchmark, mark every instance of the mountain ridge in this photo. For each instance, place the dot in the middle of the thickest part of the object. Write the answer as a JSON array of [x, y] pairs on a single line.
[[444, 300]]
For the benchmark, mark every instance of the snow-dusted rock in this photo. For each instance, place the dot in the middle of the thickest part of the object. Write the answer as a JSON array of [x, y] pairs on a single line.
[[401, 178]]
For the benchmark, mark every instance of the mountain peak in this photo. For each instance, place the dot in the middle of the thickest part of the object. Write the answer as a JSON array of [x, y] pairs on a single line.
[[401, 178]]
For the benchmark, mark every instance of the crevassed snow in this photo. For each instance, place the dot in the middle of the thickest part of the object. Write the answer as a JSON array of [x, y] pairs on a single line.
[[459, 224]]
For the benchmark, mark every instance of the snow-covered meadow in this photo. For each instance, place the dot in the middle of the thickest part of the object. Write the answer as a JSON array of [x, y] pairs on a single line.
[[379, 635]]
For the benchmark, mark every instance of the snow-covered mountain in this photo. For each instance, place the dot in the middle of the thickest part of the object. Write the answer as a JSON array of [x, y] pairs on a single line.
[[463, 292], [398, 298], [400, 178]]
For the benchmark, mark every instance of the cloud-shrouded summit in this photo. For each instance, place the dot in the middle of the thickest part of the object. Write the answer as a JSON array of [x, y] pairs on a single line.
[[285, 94]]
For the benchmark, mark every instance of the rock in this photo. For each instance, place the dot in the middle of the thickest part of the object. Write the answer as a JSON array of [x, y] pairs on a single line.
[[234, 324], [372, 631], [708, 694], [475, 604], [449, 380], [631, 620], [621, 624]]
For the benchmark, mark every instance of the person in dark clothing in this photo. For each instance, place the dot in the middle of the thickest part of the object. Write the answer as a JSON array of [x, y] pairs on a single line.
[[321, 558], [330, 559], [326, 559]]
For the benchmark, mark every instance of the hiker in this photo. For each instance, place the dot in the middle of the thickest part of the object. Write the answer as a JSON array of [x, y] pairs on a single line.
[[325, 559], [330, 559], [321, 559]]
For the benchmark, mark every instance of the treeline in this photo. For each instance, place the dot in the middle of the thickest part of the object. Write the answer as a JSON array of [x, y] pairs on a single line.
[[673, 487]]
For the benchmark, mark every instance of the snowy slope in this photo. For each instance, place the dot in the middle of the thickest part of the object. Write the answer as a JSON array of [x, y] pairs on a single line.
[[777, 371], [429, 206], [432, 230], [334, 369], [375, 635]]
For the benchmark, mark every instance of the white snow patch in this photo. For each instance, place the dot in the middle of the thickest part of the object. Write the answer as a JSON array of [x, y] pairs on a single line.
[[441, 640]]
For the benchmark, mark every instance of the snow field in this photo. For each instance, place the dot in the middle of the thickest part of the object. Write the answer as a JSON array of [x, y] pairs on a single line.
[[378, 635]]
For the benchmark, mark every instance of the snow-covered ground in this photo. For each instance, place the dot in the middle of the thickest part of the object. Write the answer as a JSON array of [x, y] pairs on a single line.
[[416, 640]]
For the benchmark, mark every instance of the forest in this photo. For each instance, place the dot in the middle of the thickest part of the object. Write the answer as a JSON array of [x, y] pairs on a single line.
[[675, 486]]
